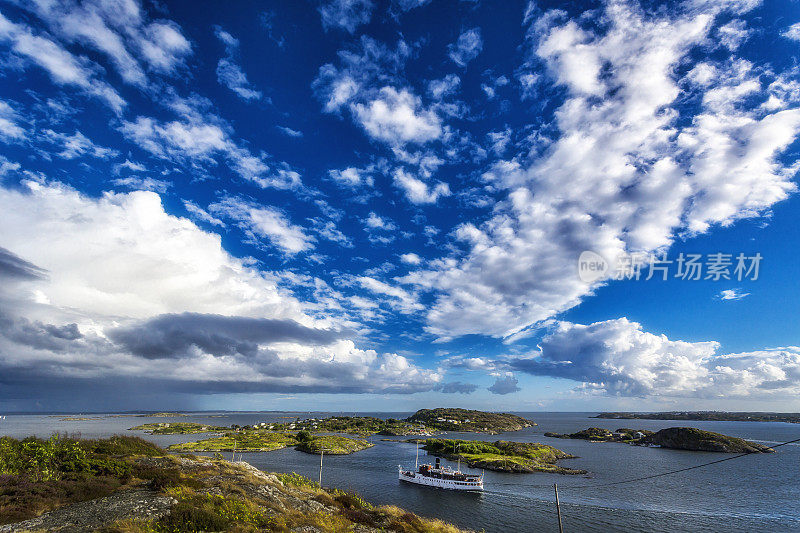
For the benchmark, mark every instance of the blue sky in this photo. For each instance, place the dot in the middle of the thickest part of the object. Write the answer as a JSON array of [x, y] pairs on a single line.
[[366, 205]]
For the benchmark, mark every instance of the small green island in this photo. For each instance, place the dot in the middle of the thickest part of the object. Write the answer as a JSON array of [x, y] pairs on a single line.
[[501, 456], [704, 441], [468, 420], [267, 441], [177, 428], [331, 444], [677, 438], [363, 426], [603, 435], [425, 422], [242, 441]]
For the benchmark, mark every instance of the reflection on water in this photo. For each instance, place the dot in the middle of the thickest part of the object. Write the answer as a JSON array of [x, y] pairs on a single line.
[[755, 493]]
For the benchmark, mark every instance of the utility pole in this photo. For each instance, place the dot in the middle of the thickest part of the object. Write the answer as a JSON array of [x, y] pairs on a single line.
[[558, 509], [321, 454], [233, 455]]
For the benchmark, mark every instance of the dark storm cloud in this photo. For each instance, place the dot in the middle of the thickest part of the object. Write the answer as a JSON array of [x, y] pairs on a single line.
[[172, 335], [457, 387], [124, 392], [37, 334], [505, 385], [13, 266]]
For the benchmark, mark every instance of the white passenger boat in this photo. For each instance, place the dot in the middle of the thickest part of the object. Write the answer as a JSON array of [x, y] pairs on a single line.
[[441, 477]]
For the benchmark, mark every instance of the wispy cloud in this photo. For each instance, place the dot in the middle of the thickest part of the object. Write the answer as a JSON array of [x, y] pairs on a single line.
[[467, 47], [229, 73], [732, 294]]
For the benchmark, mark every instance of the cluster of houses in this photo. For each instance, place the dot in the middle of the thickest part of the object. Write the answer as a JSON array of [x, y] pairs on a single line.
[[311, 423], [624, 435], [452, 420]]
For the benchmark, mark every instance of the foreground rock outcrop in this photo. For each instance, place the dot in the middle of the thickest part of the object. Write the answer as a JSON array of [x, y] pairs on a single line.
[[136, 504], [127, 485]]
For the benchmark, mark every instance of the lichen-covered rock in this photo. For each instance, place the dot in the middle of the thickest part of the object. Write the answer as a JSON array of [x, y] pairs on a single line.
[[87, 516]]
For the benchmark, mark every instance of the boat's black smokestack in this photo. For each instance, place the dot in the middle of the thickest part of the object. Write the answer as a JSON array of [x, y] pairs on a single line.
[[437, 462]]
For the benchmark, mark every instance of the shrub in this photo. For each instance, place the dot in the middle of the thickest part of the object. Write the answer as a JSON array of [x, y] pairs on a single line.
[[163, 479], [296, 480], [186, 516]]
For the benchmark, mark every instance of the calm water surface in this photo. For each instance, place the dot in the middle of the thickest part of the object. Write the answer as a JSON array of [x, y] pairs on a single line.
[[755, 493]]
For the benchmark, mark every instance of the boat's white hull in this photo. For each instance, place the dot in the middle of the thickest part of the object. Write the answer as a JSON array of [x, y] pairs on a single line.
[[449, 484]]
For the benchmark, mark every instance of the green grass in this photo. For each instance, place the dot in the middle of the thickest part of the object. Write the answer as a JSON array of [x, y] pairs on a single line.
[[177, 428], [296, 480], [254, 441], [333, 444], [501, 455], [362, 426]]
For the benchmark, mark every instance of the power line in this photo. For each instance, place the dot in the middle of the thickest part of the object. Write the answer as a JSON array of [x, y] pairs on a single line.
[[643, 478], [675, 471]]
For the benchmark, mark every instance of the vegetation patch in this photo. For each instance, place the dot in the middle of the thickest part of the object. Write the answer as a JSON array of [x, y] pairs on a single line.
[[243, 441], [451, 419], [706, 441], [502, 456], [197, 494], [363, 426], [332, 444], [177, 428], [630, 436], [37, 475]]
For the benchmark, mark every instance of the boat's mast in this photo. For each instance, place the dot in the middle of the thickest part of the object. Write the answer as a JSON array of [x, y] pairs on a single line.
[[416, 461], [459, 457]]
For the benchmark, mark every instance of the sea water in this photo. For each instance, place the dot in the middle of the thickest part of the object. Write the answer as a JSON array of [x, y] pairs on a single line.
[[758, 492]]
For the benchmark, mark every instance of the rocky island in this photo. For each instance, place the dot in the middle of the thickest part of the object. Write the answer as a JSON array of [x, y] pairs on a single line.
[[603, 435], [177, 428], [468, 420], [243, 441], [363, 426], [128, 485], [501, 456], [704, 441], [267, 441], [331, 444], [678, 438], [424, 422]]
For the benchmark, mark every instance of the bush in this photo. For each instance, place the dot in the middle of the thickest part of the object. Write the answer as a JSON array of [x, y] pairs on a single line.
[[38, 475], [22, 498], [124, 445], [211, 513], [350, 500], [296, 480], [162, 479], [303, 436], [186, 516]]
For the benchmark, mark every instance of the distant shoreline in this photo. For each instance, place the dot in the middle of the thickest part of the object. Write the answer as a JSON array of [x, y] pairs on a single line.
[[711, 416]]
